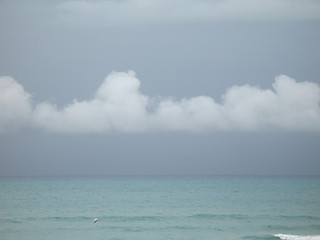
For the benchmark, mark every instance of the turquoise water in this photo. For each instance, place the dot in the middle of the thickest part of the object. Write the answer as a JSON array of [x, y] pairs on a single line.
[[154, 208]]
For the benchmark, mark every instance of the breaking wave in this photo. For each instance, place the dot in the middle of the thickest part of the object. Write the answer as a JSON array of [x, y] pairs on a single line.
[[296, 237]]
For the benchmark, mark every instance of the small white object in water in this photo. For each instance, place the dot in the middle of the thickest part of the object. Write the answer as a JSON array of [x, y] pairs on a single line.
[[95, 220]]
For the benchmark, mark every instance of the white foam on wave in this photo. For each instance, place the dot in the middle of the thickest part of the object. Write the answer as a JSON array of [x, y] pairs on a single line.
[[296, 237]]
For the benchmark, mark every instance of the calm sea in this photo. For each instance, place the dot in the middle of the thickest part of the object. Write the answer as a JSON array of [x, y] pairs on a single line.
[[160, 208]]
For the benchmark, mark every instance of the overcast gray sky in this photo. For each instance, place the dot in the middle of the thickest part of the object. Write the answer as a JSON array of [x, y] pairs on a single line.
[[159, 87]]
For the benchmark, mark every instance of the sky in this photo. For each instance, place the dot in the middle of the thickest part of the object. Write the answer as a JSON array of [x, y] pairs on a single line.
[[221, 87]]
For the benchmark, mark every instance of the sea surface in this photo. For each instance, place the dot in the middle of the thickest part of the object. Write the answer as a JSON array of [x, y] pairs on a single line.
[[160, 208]]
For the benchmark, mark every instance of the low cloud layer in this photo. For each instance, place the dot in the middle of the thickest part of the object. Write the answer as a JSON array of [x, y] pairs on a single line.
[[110, 13], [118, 105]]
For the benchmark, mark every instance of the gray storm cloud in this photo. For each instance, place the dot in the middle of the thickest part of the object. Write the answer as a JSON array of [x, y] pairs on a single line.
[[118, 105]]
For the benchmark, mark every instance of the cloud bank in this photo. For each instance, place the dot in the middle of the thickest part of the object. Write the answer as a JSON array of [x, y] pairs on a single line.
[[118, 105], [112, 12]]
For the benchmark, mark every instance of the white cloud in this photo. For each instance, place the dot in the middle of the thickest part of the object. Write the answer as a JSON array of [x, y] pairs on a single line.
[[15, 105], [118, 105], [125, 12], [290, 105]]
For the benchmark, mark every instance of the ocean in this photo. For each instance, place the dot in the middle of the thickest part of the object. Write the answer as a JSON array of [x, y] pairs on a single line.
[[160, 208]]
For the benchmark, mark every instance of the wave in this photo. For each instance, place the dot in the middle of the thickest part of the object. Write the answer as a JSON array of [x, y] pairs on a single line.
[[10, 221], [300, 217], [265, 237], [75, 218], [293, 227], [296, 237], [219, 216], [133, 218]]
